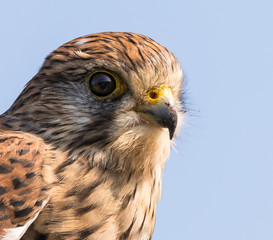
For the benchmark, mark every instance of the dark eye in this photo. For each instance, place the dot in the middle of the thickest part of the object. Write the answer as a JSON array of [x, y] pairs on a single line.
[[102, 84]]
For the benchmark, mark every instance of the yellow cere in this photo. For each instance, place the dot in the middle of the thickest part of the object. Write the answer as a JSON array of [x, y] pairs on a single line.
[[160, 93]]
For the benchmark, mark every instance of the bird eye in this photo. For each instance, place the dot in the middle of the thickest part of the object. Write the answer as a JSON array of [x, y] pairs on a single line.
[[102, 84]]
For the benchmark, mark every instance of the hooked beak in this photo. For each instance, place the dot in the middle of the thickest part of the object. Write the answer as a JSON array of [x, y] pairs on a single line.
[[160, 109]]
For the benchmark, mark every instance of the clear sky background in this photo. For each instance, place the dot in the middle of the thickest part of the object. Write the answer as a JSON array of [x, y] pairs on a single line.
[[218, 184]]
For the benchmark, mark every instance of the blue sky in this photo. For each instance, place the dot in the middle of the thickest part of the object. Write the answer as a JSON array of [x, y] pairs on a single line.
[[218, 184]]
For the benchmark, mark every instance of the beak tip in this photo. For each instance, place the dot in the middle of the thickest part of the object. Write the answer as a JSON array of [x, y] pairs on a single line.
[[171, 133], [162, 115], [172, 124], [167, 118]]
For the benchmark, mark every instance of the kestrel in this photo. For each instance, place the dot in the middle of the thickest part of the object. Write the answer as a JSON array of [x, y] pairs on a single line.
[[83, 147]]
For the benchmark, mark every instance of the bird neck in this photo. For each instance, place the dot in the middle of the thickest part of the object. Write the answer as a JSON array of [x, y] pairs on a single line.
[[122, 204]]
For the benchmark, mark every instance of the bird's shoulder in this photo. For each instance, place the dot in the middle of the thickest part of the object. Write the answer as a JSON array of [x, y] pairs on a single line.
[[23, 191]]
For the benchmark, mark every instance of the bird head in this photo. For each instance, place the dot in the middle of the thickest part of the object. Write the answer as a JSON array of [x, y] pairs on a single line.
[[114, 93]]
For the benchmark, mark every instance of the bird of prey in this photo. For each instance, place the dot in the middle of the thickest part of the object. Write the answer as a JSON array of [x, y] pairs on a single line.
[[83, 147]]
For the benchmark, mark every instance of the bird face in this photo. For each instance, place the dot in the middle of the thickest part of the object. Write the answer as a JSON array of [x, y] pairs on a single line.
[[115, 90]]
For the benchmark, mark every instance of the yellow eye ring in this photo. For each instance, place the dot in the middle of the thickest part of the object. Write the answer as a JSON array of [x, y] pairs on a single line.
[[104, 84]]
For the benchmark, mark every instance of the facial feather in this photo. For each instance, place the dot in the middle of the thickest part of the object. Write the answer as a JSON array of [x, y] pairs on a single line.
[[62, 110], [105, 161]]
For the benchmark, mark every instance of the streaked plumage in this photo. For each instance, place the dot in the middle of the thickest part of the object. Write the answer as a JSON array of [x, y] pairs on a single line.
[[89, 165]]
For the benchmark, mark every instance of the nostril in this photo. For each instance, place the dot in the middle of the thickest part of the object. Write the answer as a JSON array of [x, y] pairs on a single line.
[[153, 95]]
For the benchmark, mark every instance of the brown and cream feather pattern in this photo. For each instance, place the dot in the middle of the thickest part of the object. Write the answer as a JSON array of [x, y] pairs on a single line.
[[96, 160]]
